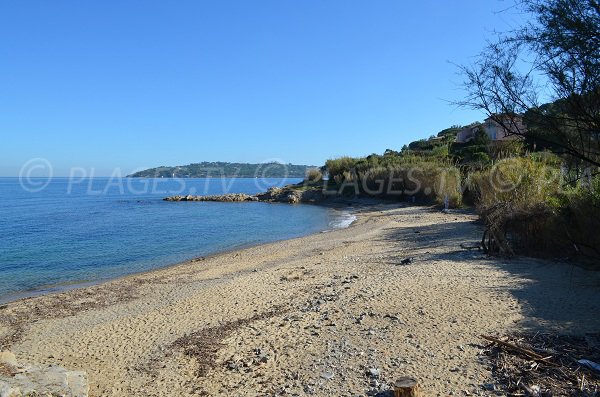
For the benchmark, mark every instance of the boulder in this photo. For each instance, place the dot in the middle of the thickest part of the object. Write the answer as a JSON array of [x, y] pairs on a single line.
[[19, 380]]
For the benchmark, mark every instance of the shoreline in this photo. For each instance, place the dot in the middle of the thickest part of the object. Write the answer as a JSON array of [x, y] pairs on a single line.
[[72, 285], [321, 310]]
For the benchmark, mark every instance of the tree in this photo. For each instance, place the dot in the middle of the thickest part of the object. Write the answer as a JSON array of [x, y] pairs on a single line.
[[556, 58], [481, 138]]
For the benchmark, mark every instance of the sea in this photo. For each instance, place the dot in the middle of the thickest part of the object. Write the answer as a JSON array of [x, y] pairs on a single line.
[[60, 233]]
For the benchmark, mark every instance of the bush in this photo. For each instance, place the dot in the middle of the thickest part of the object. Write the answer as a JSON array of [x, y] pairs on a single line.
[[336, 167], [527, 209], [579, 212], [428, 179], [314, 175], [522, 181]]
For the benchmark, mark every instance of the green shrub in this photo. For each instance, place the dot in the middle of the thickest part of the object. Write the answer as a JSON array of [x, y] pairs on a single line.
[[524, 200], [336, 167], [397, 176], [579, 212], [522, 181], [314, 175]]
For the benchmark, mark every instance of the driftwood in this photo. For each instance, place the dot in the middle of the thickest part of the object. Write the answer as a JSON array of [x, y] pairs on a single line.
[[407, 387], [519, 371], [529, 353]]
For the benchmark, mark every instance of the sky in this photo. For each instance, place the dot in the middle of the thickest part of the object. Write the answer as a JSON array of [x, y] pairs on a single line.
[[118, 86]]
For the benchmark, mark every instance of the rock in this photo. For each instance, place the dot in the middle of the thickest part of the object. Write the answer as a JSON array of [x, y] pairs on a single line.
[[291, 194], [327, 375], [263, 359], [42, 380], [7, 391], [8, 358], [232, 365], [374, 372], [293, 199], [227, 198]]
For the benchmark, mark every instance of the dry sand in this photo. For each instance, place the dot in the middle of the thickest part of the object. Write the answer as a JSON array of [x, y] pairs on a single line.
[[331, 314]]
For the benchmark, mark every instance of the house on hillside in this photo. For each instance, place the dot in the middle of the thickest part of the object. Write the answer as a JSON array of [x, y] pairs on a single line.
[[499, 128], [467, 133]]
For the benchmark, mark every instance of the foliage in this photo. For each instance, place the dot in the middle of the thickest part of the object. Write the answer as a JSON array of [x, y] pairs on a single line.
[[314, 175], [450, 132], [522, 181], [336, 167], [561, 47], [526, 199], [396, 176], [580, 215]]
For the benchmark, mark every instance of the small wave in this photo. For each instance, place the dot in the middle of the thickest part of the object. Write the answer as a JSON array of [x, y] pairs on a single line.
[[343, 220]]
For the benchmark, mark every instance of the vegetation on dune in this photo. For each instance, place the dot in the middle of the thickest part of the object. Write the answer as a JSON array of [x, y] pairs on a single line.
[[539, 193], [398, 175], [552, 204], [531, 202]]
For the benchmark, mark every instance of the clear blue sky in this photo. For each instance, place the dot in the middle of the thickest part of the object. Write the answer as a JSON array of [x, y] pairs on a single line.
[[136, 84]]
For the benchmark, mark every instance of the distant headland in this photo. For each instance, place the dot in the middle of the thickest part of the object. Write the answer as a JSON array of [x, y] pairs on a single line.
[[225, 170]]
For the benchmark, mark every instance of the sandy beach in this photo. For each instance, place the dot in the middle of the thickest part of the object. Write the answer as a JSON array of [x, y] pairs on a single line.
[[330, 314]]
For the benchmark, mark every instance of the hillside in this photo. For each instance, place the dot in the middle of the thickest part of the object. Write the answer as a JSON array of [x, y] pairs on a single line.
[[225, 170]]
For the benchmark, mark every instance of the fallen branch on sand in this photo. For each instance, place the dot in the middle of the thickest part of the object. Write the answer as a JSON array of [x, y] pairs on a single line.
[[529, 353], [521, 369]]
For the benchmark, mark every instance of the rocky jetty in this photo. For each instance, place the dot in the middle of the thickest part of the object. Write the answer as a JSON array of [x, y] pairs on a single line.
[[18, 379], [227, 198], [287, 194]]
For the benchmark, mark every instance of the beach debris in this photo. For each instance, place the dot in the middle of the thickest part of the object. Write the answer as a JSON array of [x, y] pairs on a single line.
[[529, 353], [200, 345], [407, 261], [407, 387], [544, 364], [534, 390], [590, 364], [327, 375]]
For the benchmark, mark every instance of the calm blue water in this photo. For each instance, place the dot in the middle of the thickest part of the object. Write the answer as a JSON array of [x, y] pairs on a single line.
[[74, 231]]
